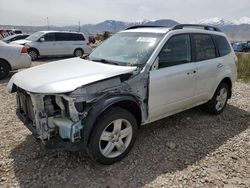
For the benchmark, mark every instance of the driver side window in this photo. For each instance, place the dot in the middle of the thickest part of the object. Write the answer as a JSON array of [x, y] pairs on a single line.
[[49, 37], [176, 51]]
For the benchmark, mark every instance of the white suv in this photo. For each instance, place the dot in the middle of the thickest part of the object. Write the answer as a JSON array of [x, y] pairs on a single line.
[[55, 43], [137, 76]]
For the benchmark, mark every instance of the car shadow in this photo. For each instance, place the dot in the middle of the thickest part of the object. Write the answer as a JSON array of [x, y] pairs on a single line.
[[166, 146]]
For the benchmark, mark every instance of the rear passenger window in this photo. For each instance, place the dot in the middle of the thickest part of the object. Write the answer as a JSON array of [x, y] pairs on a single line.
[[222, 45], [204, 47], [176, 51], [69, 37], [60, 36]]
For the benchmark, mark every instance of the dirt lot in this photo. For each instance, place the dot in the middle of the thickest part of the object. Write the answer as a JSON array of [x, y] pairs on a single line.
[[190, 149]]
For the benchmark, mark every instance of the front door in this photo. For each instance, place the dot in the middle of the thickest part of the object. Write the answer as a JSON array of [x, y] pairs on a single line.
[[172, 85], [48, 46]]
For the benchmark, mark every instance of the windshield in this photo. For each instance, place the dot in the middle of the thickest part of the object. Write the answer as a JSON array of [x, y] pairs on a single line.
[[127, 48], [9, 37], [35, 36]]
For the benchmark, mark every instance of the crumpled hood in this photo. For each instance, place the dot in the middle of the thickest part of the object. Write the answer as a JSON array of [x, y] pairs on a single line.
[[21, 42], [65, 75]]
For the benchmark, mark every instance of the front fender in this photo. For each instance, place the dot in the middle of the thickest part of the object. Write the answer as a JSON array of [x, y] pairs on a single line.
[[97, 109]]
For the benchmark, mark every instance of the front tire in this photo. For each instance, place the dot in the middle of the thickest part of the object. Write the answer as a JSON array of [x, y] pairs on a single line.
[[4, 69], [219, 101], [33, 54], [113, 136]]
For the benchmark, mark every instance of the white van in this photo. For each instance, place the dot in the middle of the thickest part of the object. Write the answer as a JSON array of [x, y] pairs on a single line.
[[55, 43]]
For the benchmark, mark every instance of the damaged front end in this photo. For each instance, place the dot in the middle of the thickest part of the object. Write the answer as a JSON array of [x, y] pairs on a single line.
[[68, 116], [49, 115]]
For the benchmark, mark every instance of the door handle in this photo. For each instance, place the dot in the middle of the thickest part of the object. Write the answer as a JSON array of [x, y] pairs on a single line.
[[219, 65]]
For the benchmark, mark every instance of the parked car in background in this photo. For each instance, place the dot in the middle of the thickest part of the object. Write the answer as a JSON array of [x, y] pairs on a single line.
[[12, 57], [7, 32], [55, 43], [241, 47], [135, 77], [15, 37]]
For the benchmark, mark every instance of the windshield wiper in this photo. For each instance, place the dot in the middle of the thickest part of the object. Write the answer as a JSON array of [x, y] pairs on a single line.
[[106, 61], [85, 56]]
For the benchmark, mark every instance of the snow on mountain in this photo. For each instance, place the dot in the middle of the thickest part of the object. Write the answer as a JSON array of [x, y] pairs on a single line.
[[242, 20], [221, 22], [214, 21]]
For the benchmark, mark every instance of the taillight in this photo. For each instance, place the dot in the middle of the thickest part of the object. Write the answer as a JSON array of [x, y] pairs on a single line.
[[235, 59], [24, 50]]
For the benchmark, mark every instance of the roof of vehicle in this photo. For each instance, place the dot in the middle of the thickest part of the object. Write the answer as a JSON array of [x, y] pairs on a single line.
[[179, 27], [61, 32], [149, 30]]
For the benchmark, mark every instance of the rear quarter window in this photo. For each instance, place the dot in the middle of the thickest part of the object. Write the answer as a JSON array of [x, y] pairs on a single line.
[[222, 45], [75, 37]]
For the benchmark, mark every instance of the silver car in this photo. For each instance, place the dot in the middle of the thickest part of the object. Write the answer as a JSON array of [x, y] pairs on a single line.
[[98, 102], [55, 43], [12, 58]]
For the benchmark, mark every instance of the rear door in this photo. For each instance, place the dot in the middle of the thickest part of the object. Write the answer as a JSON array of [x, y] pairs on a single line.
[[207, 64], [172, 84], [63, 43]]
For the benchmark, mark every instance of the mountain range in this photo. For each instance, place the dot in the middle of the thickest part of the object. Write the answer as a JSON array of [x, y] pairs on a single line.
[[238, 29]]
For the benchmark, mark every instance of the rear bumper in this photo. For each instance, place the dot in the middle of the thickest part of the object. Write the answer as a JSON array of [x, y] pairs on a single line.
[[23, 61]]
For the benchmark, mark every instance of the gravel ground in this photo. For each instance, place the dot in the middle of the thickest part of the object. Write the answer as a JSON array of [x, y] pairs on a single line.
[[190, 149]]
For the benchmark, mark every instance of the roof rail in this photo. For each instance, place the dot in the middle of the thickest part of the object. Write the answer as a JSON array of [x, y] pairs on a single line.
[[143, 26], [205, 27]]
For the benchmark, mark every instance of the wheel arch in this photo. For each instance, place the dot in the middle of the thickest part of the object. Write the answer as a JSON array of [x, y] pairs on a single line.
[[127, 102], [228, 81], [78, 48], [4, 60]]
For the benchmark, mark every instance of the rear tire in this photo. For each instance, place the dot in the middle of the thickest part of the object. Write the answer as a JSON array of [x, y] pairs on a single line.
[[78, 53], [33, 54], [113, 136], [4, 69], [219, 101]]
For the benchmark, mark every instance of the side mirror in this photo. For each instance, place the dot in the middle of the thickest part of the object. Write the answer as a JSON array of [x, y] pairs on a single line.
[[41, 39]]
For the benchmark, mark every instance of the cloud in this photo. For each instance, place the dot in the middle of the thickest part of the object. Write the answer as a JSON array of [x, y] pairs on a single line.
[[70, 12], [144, 9]]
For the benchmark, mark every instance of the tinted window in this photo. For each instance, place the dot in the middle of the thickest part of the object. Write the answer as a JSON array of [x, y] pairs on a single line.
[[69, 37], [75, 37], [176, 51], [222, 45], [61, 36], [49, 37], [204, 47]]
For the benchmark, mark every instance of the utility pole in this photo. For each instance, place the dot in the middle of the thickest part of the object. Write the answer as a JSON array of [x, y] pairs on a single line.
[[79, 23], [48, 22]]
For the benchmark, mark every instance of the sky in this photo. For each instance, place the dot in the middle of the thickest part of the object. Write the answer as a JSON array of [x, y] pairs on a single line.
[[70, 12]]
